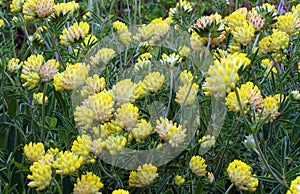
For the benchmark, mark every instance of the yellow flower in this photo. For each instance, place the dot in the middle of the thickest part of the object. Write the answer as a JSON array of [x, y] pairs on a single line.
[[181, 6], [13, 65], [232, 101], [115, 144], [1, 23], [243, 34], [34, 151], [97, 146], [41, 176], [93, 85], [265, 45], [144, 62], [29, 9], [254, 96], [72, 78], [84, 117], [101, 104], [176, 135], [240, 174], [198, 166], [74, 33], [142, 130], [185, 77], [186, 96], [179, 180], [295, 185], [170, 60], [296, 10], [270, 108], [153, 82], [16, 6], [122, 30], [44, 8], [82, 147], [48, 70], [34, 62], [235, 19], [280, 40], [103, 57], [108, 128], [268, 65], [207, 141], [288, 23], [184, 51], [89, 183], [67, 162], [222, 76], [127, 114], [143, 177], [124, 92], [32, 79], [196, 41], [66, 8], [120, 191], [38, 98]]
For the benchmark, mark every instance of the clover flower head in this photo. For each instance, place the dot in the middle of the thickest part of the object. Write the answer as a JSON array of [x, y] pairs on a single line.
[[48, 70], [115, 144], [72, 78], [44, 8], [34, 151], [289, 23], [207, 141], [67, 162], [185, 95], [234, 20], [143, 176], [240, 174], [256, 20], [94, 85], [141, 130], [120, 191], [75, 33], [124, 92], [127, 114], [14, 65], [183, 6], [82, 147], [153, 82], [179, 180], [243, 34], [68, 8], [176, 135], [270, 108], [103, 57], [16, 6], [88, 183], [198, 166], [185, 77], [41, 176]]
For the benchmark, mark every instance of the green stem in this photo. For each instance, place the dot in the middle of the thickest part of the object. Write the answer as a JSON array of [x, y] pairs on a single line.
[[57, 185], [229, 188], [103, 169], [281, 182]]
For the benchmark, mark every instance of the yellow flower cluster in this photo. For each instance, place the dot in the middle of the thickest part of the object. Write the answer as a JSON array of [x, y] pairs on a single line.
[[270, 108], [185, 77], [249, 94], [34, 8], [103, 57], [268, 65], [170, 132], [240, 174], [67, 162], [171, 60], [124, 92], [207, 141], [123, 32], [93, 85], [153, 82], [127, 114], [144, 62], [256, 20], [142, 130], [89, 183], [243, 34], [16, 6], [41, 176], [235, 19], [198, 166], [82, 147], [181, 7], [13, 65], [295, 186], [72, 78], [76, 32], [186, 94], [143, 177], [179, 180], [222, 76], [34, 151], [38, 98], [289, 23], [115, 144], [66, 8]]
